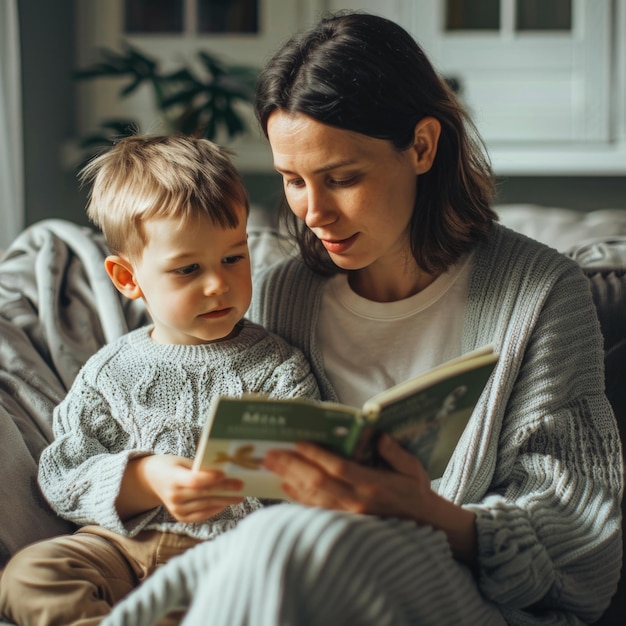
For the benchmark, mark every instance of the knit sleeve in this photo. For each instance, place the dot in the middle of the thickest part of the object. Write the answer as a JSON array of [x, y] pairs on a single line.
[[81, 471], [290, 375], [286, 301], [549, 532]]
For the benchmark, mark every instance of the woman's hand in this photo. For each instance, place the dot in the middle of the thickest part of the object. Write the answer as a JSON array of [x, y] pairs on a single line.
[[190, 496], [316, 477]]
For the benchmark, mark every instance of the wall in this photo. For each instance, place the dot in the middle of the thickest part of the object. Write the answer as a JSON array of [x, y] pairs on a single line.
[[47, 43], [582, 193], [48, 35]]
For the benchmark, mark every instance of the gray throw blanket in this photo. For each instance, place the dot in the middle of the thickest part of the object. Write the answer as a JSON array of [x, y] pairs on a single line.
[[57, 307]]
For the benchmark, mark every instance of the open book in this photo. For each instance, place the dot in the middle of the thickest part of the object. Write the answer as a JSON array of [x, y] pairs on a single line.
[[426, 414]]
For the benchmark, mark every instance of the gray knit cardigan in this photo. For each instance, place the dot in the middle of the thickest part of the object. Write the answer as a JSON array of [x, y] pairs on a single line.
[[540, 462]]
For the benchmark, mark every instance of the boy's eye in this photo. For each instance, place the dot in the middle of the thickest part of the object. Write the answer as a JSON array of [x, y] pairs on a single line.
[[230, 260], [188, 269]]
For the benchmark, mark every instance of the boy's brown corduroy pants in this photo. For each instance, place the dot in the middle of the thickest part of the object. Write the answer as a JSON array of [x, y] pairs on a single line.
[[74, 580]]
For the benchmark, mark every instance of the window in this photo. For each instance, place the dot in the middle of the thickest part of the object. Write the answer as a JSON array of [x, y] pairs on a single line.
[[156, 16], [530, 15], [228, 16], [191, 16], [473, 15], [544, 15], [530, 71], [545, 80]]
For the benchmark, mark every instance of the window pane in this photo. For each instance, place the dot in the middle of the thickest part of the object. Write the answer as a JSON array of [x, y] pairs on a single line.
[[472, 14], [154, 16], [544, 15], [228, 16]]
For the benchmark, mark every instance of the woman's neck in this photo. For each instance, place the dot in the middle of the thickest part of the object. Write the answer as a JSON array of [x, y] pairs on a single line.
[[389, 285]]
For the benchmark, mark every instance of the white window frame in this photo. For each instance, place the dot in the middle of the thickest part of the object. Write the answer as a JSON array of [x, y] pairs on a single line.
[[529, 86]]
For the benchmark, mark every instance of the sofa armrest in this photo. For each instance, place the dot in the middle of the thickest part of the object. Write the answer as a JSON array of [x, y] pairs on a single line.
[[603, 261]]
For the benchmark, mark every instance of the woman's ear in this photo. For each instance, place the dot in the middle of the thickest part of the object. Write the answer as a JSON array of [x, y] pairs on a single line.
[[425, 143], [122, 275]]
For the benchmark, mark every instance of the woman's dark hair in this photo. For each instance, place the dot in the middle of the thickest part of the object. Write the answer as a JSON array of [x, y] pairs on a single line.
[[364, 73]]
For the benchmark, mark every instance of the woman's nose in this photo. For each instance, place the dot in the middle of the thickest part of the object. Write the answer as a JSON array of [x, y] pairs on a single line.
[[319, 209]]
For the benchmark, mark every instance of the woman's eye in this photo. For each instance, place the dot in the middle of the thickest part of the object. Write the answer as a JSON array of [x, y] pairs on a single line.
[[344, 182], [188, 269], [294, 182]]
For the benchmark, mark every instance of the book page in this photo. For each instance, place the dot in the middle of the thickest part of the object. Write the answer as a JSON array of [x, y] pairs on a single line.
[[466, 362], [428, 423]]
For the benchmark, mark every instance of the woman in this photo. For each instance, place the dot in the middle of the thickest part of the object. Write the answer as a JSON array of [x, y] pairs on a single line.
[[402, 267]]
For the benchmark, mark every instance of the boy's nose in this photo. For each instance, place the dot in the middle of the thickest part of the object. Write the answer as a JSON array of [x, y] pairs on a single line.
[[215, 285]]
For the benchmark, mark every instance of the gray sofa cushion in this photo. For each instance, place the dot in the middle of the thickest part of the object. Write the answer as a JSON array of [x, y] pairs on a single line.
[[57, 307], [604, 263]]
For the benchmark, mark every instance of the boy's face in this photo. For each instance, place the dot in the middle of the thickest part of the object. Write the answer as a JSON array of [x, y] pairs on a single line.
[[195, 280]]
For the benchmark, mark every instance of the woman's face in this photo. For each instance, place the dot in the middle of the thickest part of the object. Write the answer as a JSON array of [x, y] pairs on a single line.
[[356, 193]]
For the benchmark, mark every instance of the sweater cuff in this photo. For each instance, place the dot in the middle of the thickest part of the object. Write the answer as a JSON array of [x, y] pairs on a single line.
[[112, 477], [514, 567]]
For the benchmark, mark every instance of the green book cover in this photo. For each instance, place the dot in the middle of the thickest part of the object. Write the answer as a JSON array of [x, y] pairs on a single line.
[[241, 430], [426, 414]]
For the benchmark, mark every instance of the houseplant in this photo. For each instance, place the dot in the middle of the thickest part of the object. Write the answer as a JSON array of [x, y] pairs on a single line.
[[201, 102]]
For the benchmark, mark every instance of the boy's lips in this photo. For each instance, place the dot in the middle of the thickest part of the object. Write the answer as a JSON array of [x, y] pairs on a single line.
[[217, 313], [339, 245]]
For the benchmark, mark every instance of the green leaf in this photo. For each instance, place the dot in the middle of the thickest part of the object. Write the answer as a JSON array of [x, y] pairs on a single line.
[[234, 123], [196, 106]]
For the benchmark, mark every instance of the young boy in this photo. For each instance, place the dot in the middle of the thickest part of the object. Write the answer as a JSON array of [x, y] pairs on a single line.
[[173, 211]]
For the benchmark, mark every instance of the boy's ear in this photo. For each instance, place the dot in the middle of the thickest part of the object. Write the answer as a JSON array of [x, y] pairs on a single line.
[[426, 140], [122, 275]]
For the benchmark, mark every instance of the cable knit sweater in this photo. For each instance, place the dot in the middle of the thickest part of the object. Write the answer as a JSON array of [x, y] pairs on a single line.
[[540, 461], [136, 397]]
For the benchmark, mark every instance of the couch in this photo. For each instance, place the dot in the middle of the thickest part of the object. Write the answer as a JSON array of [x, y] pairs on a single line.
[[597, 241], [57, 307]]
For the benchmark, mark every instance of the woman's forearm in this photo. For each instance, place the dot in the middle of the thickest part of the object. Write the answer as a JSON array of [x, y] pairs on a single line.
[[459, 524]]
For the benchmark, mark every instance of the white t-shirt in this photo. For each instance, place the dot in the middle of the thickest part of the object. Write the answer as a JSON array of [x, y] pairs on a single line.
[[369, 346]]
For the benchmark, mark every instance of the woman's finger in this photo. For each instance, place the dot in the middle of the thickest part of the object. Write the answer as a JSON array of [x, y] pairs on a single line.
[[307, 479], [398, 458], [318, 477], [331, 463]]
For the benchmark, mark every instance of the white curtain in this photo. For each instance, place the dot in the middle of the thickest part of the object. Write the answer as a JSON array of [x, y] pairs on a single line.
[[11, 150]]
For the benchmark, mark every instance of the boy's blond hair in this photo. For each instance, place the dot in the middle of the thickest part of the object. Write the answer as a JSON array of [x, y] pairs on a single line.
[[156, 176]]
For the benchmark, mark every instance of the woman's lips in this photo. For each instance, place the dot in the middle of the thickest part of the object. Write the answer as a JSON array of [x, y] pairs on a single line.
[[339, 246]]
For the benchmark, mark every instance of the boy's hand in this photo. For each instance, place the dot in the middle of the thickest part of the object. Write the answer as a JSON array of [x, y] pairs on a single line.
[[166, 479]]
